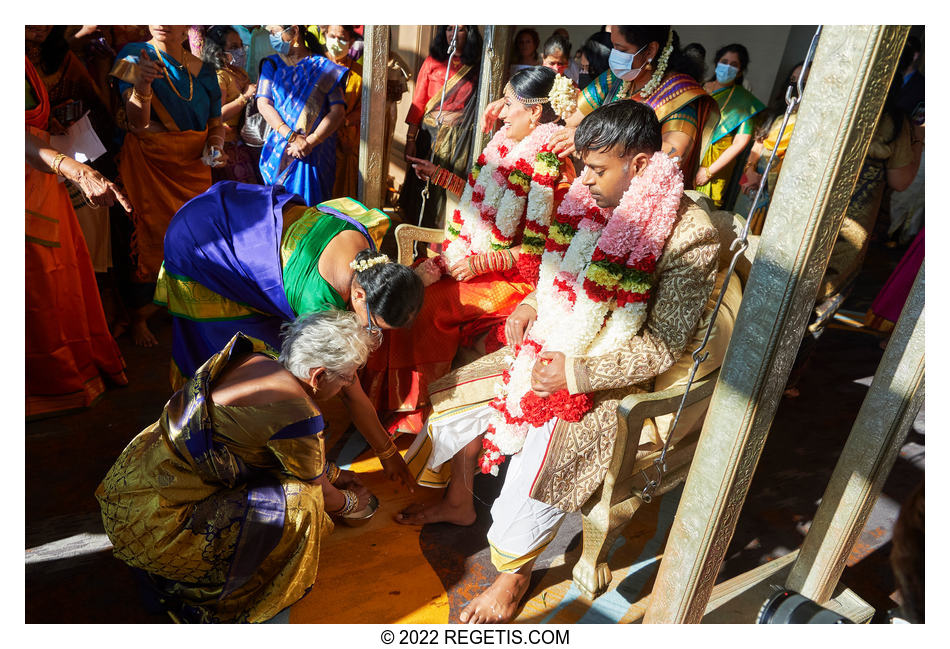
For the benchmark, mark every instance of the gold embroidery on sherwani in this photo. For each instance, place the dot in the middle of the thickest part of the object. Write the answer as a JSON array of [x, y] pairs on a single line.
[[580, 452]]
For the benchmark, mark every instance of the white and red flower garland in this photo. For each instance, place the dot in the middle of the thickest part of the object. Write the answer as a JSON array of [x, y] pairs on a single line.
[[510, 187], [596, 275]]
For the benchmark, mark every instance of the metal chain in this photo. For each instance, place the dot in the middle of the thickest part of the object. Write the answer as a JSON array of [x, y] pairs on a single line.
[[438, 121], [793, 96]]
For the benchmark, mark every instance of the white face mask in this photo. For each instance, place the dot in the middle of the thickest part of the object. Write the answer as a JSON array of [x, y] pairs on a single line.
[[621, 64], [336, 45]]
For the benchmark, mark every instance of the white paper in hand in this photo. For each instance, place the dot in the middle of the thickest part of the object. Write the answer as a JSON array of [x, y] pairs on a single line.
[[80, 141]]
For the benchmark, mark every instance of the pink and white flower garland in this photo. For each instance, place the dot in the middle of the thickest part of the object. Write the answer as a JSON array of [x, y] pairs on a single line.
[[510, 181], [593, 290]]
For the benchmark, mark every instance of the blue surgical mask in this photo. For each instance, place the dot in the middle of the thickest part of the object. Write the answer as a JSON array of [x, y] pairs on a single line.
[[279, 44], [238, 56], [726, 73], [621, 64]]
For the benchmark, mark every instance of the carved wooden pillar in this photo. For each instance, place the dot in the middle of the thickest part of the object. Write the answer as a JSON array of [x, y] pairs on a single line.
[[875, 441], [373, 132], [852, 71], [496, 51]]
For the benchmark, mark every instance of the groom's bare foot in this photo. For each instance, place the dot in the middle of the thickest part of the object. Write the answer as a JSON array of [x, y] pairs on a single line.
[[499, 602], [440, 512]]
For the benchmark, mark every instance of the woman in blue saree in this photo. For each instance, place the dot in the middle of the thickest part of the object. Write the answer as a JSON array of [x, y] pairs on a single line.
[[300, 95]]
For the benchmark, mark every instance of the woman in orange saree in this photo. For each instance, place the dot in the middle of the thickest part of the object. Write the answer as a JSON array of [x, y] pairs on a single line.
[[493, 244], [69, 351], [172, 107]]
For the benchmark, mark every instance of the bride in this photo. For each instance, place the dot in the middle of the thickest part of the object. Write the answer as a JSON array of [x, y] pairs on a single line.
[[492, 247]]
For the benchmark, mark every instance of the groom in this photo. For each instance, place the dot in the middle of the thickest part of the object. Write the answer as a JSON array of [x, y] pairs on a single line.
[[561, 462]]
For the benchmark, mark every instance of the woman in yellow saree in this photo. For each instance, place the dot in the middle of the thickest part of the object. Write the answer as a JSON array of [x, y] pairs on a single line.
[[339, 38], [730, 141], [767, 141], [223, 501]]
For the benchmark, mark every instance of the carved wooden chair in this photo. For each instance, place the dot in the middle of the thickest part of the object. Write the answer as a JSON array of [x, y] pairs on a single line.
[[613, 506], [406, 237], [632, 466]]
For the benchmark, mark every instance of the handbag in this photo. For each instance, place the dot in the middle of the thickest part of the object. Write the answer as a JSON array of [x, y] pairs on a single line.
[[255, 128]]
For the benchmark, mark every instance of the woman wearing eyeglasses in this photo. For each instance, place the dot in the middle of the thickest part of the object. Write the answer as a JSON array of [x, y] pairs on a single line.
[[249, 258], [223, 501]]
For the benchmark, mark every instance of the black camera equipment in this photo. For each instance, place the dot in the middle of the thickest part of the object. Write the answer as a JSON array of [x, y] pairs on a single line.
[[788, 607]]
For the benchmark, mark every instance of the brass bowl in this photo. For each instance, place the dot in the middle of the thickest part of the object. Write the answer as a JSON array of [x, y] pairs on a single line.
[[362, 516]]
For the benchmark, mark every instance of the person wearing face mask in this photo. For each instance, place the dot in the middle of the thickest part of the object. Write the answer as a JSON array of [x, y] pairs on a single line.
[[224, 50], [450, 136], [339, 39], [493, 244], [300, 95], [221, 504], [732, 138], [646, 65]]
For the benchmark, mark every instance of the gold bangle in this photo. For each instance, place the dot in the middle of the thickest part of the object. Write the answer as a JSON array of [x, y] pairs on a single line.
[[388, 452], [140, 96], [57, 163], [333, 472]]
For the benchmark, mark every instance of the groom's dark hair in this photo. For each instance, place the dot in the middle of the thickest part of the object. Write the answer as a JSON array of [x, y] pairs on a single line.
[[626, 124]]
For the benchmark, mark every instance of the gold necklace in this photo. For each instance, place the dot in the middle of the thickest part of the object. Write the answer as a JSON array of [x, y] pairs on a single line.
[[191, 84]]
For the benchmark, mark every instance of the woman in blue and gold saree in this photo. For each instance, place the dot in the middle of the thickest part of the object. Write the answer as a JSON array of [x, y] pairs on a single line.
[[223, 501], [172, 111], [301, 96]]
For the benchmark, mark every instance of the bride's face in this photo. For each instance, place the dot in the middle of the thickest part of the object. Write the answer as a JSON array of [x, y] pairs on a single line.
[[519, 118]]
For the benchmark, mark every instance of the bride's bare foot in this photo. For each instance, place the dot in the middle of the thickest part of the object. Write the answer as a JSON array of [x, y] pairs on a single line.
[[499, 602], [440, 512], [142, 335]]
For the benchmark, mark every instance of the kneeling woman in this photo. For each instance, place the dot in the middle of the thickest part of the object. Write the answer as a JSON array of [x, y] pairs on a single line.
[[224, 500], [492, 248], [249, 258]]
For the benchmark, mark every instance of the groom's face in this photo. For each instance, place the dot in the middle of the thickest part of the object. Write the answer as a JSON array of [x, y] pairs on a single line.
[[608, 175]]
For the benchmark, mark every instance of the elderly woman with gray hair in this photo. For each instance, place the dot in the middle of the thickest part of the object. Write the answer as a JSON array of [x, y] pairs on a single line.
[[222, 502]]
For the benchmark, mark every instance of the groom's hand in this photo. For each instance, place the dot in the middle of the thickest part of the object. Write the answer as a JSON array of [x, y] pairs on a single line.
[[548, 375]]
